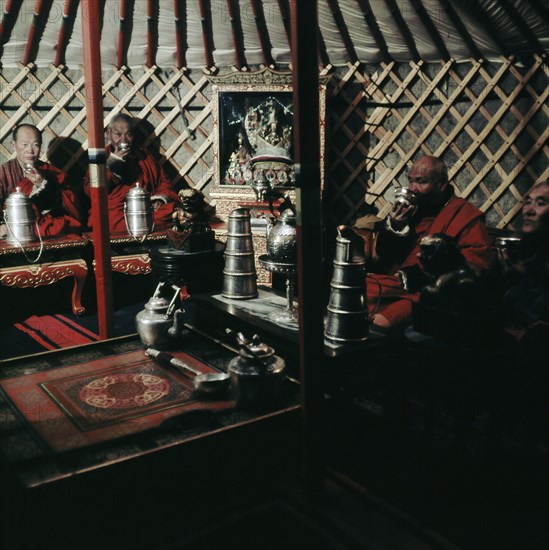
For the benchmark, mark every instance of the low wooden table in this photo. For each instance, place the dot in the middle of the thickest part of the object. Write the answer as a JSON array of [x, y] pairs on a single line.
[[216, 314], [61, 257], [134, 486], [130, 256]]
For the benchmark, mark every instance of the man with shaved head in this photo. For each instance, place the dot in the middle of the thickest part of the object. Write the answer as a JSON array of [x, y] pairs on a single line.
[[55, 205], [128, 164], [438, 211]]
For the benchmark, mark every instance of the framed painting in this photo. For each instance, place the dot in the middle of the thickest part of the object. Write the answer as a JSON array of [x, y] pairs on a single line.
[[253, 134]]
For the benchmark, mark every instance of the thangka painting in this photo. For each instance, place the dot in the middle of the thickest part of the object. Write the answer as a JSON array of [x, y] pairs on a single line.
[[255, 138]]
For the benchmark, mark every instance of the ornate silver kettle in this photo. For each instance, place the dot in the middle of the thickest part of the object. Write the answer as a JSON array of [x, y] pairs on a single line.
[[138, 211], [156, 324], [20, 219], [256, 373], [282, 234]]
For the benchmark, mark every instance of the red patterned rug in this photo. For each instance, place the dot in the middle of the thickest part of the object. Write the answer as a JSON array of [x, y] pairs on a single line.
[[91, 402]]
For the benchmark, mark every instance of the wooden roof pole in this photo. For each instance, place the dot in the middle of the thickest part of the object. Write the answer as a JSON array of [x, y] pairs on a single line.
[[9, 17], [96, 152], [69, 15], [39, 18], [304, 20], [180, 32]]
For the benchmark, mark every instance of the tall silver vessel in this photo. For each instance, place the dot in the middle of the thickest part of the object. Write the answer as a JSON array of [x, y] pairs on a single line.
[[20, 219], [347, 319], [138, 212], [239, 275]]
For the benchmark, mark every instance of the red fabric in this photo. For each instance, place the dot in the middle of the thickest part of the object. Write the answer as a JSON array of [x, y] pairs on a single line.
[[144, 169], [458, 219], [66, 214]]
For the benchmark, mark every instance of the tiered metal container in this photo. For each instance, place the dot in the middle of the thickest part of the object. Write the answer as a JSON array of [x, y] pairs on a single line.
[[239, 275], [19, 218], [347, 319]]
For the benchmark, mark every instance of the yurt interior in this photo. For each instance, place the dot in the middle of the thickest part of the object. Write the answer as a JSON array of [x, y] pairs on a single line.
[[274, 274]]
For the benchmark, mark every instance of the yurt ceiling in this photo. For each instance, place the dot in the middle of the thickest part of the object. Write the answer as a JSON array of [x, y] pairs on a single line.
[[240, 33]]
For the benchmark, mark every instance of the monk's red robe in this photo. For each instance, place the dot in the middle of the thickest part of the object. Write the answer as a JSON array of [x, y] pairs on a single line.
[[142, 168], [56, 207], [458, 219]]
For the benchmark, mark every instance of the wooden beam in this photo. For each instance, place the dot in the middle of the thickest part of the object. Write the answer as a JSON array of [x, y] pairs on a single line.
[[152, 31], [541, 10], [322, 51], [431, 29], [263, 32], [124, 31], [523, 27], [487, 26], [371, 21], [233, 8], [9, 17], [461, 28], [97, 158], [180, 14], [40, 16], [207, 32], [343, 30], [285, 14], [309, 240], [403, 28], [67, 25]]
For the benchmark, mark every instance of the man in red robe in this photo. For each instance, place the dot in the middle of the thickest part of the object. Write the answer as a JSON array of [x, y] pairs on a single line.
[[127, 165], [391, 295], [55, 205]]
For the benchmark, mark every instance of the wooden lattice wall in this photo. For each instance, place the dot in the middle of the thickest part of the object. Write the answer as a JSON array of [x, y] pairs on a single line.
[[487, 120]]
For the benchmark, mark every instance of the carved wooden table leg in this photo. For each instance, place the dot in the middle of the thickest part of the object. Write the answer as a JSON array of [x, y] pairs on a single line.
[[31, 276]]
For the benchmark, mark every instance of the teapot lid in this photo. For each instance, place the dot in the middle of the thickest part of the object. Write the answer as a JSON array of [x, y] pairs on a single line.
[[17, 194], [137, 191], [254, 348], [157, 303]]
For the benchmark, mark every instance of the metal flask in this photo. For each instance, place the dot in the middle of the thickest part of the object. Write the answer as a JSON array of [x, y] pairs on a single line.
[[347, 319], [257, 374], [282, 238], [138, 211], [20, 219], [239, 275]]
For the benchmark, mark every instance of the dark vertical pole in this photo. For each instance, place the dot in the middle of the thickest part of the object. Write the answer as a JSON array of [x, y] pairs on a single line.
[[96, 153], [304, 25]]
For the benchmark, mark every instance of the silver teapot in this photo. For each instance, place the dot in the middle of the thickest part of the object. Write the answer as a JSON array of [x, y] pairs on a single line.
[[158, 324], [256, 373], [138, 211], [20, 219], [282, 234]]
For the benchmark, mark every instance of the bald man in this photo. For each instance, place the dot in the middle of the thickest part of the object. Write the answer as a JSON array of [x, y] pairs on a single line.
[[126, 165], [56, 207], [391, 296]]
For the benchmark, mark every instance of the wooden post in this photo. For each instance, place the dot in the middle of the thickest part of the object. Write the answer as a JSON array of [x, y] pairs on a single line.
[[304, 27], [97, 157]]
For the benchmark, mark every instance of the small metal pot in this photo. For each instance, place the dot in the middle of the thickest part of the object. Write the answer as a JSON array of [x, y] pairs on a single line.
[[257, 374]]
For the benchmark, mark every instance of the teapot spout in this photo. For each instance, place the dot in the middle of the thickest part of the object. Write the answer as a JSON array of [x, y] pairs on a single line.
[[176, 329]]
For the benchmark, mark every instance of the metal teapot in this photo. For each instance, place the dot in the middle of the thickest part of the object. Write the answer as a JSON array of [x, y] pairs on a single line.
[[138, 212], [282, 234], [256, 373], [20, 219], [157, 324]]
